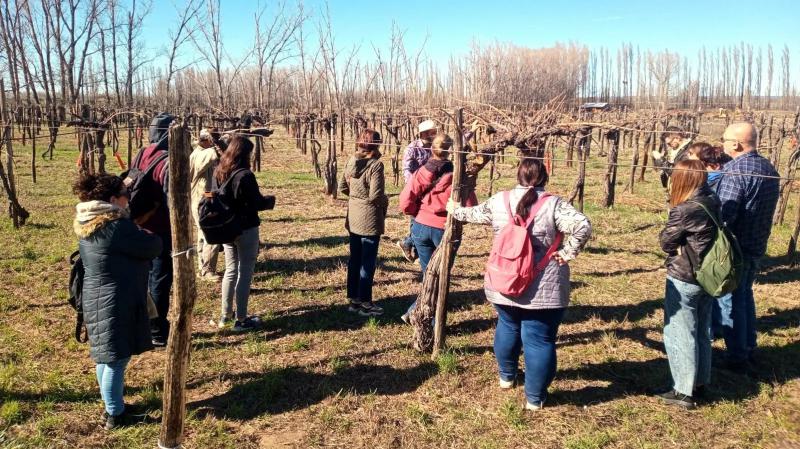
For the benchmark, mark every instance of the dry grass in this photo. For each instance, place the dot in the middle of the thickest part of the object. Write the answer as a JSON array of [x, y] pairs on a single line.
[[318, 376]]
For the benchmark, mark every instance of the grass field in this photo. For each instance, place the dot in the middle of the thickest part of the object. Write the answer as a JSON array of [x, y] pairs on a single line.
[[319, 376]]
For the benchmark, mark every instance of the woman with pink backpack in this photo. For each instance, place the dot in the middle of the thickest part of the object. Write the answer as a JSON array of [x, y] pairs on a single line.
[[527, 275]]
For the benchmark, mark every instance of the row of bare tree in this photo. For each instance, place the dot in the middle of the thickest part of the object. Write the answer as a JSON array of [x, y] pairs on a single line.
[[69, 52]]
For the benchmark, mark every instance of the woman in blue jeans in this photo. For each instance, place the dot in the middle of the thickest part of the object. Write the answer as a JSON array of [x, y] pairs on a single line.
[[240, 255], [363, 183], [689, 234], [116, 255], [530, 321]]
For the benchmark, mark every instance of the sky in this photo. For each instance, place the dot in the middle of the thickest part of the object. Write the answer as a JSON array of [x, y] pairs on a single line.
[[451, 26]]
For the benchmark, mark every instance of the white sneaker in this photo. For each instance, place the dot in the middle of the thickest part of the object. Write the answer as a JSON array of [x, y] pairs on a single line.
[[534, 407], [506, 384]]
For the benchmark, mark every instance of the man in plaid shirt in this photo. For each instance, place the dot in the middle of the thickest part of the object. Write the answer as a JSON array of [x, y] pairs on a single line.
[[748, 191]]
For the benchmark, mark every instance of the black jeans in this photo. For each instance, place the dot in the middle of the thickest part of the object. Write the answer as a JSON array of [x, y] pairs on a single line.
[[160, 284]]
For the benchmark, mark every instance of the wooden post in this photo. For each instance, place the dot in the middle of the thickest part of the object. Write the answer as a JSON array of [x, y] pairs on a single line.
[[184, 290], [611, 172], [452, 233]]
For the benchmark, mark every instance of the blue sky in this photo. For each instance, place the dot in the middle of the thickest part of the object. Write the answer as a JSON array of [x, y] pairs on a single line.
[[678, 25]]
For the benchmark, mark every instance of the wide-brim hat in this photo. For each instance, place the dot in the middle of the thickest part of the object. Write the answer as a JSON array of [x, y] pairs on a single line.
[[426, 125]]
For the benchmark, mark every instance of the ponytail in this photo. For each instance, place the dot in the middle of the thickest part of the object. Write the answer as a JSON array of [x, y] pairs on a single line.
[[531, 174]]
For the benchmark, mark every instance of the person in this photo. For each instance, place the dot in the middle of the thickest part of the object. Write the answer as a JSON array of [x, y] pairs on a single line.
[[530, 321], [688, 235], [116, 256], [424, 197], [675, 148], [202, 162], [157, 221], [748, 191], [713, 158], [246, 200], [416, 155], [363, 182]]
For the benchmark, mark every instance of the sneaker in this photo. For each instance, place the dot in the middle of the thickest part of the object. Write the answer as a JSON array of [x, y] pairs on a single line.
[[534, 406], [221, 324], [370, 309], [248, 324], [506, 384], [159, 342], [675, 398], [210, 276], [355, 305], [408, 251], [406, 318]]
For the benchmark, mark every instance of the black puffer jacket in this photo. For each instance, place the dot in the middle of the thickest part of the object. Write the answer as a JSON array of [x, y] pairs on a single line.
[[116, 255], [689, 234]]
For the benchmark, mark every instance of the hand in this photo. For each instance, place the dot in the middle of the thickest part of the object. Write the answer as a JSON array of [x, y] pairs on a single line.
[[450, 206], [474, 127], [657, 155], [559, 259]]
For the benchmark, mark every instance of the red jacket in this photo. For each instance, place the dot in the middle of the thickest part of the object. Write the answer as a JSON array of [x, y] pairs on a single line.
[[158, 223], [427, 202]]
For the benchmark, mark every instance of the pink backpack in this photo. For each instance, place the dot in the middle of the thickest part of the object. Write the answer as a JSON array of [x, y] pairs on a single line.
[[510, 268]]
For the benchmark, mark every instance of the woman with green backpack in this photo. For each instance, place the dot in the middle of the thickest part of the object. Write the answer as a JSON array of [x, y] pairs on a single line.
[[689, 234]]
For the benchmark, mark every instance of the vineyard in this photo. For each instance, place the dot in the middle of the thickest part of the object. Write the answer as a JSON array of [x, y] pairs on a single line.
[[79, 88]]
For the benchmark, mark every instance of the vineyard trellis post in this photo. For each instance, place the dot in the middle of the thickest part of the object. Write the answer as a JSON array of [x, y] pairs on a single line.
[[17, 213], [452, 233], [184, 290], [611, 171]]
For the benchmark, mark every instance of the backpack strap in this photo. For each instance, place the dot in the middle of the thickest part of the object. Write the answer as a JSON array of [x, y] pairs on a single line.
[[507, 202], [230, 178], [713, 218], [535, 208], [549, 254]]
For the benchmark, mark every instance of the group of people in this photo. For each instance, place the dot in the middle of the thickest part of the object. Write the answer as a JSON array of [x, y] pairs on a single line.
[[126, 249], [125, 246]]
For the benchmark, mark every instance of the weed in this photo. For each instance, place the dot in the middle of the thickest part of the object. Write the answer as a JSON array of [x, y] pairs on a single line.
[[447, 362], [513, 413]]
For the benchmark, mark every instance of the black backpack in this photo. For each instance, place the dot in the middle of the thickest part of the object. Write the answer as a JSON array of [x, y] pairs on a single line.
[[76, 295], [146, 193], [218, 221]]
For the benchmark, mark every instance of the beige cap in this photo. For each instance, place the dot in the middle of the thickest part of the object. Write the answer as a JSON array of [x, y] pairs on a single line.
[[427, 125]]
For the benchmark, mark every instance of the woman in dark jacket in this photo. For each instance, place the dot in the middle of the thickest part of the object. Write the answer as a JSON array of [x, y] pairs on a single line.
[[116, 256], [240, 255], [363, 182], [687, 237]]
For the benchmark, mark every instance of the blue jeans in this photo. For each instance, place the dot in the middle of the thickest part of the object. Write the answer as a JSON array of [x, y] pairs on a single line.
[[361, 266], [740, 307], [240, 261], [535, 331], [159, 284], [111, 379], [687, 334]]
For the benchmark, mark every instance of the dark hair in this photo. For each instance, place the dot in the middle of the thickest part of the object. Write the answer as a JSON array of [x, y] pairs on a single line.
[[712, 156], [237, 155], [696, 147], [531, 173], [368, 142], [98, 187]]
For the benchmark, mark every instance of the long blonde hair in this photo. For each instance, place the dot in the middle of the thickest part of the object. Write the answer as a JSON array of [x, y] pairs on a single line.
[[687, 176]]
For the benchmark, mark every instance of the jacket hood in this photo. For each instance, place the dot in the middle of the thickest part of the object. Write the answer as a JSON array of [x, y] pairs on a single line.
[[91, 216], [159, 130], [85, 229]]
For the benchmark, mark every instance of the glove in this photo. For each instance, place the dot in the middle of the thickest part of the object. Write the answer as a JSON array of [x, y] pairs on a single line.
[[657, 155]]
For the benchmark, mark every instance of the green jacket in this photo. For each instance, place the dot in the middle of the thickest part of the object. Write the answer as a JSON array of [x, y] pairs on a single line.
[[363, 182]]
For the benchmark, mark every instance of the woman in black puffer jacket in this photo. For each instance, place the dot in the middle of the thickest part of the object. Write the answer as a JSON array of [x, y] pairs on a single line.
[[687, 237], [116, 256]]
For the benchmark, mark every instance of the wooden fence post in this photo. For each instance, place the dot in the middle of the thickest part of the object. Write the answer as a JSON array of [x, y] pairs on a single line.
[[184, 290], [792, 251], [452, 233], [611, 171]]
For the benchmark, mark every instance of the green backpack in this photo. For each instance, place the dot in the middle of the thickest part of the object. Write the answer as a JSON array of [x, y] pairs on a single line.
[[722, 265]]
